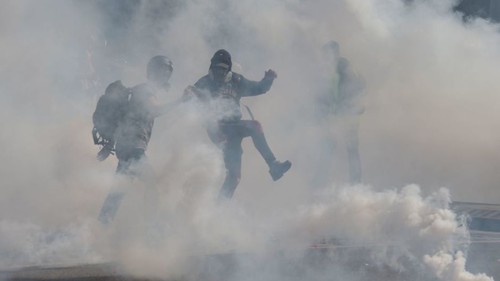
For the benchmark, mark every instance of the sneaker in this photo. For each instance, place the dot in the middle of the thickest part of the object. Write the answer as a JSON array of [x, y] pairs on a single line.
[[277, 169]]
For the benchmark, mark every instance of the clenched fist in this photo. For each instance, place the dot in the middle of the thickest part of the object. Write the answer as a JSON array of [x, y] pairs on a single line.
[[270, 74]]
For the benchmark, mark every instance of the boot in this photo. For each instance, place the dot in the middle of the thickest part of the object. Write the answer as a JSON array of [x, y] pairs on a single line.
[[277, 169]]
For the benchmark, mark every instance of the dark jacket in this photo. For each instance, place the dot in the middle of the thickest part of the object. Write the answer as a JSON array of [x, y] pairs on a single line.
[[224, 98], [345, 91], [134, 130]]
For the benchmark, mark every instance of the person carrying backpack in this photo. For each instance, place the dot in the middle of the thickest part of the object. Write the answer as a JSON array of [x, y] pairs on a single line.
[[221, 90], [129, 133]]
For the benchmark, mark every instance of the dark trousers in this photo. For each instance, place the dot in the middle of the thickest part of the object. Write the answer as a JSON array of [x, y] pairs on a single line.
[[128, 161], [228, 136]]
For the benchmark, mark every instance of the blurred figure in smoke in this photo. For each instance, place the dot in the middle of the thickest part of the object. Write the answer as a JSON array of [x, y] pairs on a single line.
[[221, 90], [134, 132], [341, 106]]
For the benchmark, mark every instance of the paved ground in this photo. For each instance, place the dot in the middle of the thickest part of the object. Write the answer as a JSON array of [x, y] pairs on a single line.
[[98, 272], [483, 257]]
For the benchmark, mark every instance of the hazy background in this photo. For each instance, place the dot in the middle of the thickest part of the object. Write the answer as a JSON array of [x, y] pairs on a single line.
[[431, 115]]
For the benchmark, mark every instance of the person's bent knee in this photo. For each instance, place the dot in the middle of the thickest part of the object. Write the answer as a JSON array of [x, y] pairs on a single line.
[[256, 126]]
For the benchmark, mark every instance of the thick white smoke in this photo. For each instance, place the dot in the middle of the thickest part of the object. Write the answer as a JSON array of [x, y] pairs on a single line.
[[430, 119]]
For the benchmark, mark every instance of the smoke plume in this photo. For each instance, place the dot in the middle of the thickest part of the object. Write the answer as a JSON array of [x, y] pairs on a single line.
[[428, 136]]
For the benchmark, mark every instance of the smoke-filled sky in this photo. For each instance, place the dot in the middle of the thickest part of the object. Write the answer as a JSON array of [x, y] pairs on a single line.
[[431, 119]]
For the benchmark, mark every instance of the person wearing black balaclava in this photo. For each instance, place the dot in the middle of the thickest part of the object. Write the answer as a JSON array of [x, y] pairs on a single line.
[[221, 90]]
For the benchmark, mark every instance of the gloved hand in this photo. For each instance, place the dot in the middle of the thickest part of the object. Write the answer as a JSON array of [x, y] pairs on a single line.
[[270, 74]]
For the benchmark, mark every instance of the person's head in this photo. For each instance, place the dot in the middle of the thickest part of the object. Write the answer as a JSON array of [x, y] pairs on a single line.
[[159, 70], [220, 66], [331, 50]]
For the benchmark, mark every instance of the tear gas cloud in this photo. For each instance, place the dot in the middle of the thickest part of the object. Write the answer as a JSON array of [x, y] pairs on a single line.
[[430, 120]]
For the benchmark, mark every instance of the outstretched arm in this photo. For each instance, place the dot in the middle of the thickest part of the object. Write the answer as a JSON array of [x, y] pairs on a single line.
[[165, 108], [254, 88], [160, 109]]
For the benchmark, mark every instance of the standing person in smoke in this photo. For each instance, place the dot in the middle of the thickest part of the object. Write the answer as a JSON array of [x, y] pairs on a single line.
[[221, 90], [341, 105], [133, 133]]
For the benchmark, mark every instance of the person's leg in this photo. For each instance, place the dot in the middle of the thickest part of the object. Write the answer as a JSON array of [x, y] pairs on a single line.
[[323, 151], [253, 129], [110, 206], [141, 169], [352, 146], [146, 175], [232, 160], [126, 167]]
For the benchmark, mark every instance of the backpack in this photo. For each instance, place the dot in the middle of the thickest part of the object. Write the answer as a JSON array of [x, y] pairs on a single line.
[[110, 110]]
